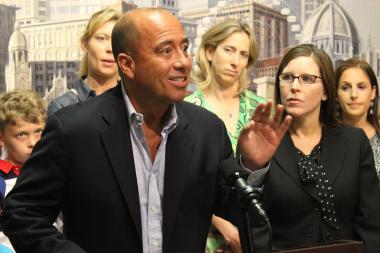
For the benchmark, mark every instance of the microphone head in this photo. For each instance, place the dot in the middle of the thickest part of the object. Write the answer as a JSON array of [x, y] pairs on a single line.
[[228, 169]]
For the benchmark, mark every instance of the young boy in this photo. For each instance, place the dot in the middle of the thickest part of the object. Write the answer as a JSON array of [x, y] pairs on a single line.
[[22, 119]]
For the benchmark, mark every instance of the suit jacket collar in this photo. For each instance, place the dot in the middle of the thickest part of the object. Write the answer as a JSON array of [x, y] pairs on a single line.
[[333, 152], [118, 146], [178, 154]]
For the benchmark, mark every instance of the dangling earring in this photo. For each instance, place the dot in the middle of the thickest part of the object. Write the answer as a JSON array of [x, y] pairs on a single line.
[[337, 111], [371, 108]]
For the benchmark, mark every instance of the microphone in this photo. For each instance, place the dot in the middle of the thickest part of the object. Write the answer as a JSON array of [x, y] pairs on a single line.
[[235, 178]]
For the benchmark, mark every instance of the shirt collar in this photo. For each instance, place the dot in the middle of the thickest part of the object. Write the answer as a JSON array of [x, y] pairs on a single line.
[[171, 117], [83, 89], [8, 167]]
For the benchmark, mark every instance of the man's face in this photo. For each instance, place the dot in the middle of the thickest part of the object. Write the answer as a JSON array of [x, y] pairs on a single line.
[[19, 139], [162, 63]]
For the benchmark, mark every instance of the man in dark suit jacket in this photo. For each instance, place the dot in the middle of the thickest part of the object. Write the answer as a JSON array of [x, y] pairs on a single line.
[[91, 161]]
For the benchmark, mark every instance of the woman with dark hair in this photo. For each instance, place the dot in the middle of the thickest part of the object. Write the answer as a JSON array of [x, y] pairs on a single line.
[[321, 184], [357, 95]]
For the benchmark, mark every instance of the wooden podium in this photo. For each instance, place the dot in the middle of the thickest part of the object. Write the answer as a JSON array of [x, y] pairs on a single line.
[[342, 246]]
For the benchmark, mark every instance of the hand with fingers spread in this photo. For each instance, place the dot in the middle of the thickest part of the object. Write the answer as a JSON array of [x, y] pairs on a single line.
[[260, 138]]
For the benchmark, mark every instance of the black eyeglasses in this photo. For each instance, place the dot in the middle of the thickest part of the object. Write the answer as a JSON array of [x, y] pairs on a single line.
[[304, 79]]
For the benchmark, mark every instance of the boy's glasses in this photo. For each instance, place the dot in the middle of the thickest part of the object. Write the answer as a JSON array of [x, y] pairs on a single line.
[[304, 79]]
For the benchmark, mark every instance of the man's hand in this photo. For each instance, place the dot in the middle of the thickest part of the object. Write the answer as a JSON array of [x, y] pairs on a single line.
[[260, 138]]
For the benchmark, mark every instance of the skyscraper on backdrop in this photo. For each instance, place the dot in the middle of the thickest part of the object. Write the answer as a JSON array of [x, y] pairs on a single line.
[[366, 19], [7, 20], [52, 29]]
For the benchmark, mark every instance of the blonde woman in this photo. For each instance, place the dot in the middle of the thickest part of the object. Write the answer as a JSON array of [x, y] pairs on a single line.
[[98, 69], [225, 53]]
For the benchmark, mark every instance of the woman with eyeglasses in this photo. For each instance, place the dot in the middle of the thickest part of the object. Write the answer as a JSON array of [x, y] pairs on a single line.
[[357, 95], [321, 184]]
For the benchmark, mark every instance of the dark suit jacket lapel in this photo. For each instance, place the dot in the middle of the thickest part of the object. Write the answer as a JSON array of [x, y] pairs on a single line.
[[287, 157], [332, 157], [117, 143], [178, 155], [334, 148]]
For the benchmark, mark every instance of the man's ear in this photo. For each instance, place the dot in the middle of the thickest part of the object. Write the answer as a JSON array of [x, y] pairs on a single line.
[[126, 65]]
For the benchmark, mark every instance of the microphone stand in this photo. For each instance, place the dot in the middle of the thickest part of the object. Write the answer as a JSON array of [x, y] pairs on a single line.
[[252, 214]]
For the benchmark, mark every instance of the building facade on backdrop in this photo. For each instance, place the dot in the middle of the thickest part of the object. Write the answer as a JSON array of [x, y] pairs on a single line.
[[362, 17], [69, 9], [7, 21], [52, 47], [365, 15], [54, 50], [196, 4], [331, 29], [269, 25], [17, 71], [308, 7], [30, 11], [52, 30]]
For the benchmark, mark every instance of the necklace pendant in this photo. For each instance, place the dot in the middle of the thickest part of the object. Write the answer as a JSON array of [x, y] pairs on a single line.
[[230, 114]]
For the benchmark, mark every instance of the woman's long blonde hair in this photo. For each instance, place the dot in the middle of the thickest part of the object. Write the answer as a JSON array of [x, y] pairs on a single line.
[[97, 20], [211, 39]]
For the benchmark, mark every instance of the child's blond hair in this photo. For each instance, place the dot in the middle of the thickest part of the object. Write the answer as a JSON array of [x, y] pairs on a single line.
[[24, 105]]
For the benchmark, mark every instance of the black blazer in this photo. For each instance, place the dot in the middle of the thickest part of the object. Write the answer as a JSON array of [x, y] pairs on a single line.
[[84, 166], [293, 207]]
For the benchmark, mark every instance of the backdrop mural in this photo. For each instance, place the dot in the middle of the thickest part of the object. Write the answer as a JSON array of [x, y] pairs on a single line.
[[39, 39]]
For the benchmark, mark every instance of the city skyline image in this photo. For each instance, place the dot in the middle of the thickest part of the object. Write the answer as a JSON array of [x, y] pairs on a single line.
[[40, 39]]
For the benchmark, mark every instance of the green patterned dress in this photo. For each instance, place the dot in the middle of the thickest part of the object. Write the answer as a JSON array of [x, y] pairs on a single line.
[[248, 104]]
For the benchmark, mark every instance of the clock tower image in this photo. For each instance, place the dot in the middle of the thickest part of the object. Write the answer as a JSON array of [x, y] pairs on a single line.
[[17, 71]]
